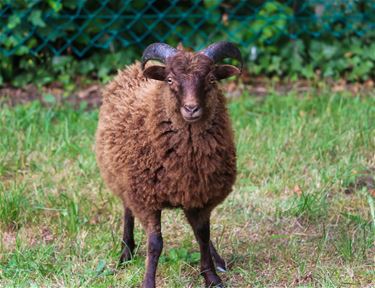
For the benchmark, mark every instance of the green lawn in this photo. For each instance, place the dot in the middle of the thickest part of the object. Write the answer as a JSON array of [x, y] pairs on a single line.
[[301, 213]]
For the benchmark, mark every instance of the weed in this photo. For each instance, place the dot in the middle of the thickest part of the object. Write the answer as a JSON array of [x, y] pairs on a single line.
[[13, 206]]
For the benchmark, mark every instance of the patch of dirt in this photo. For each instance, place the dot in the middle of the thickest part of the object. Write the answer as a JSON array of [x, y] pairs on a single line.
[[15, 96], [8, 239], [365, 179], [31, 236], [262, 86], [90, 95], [47, 235]]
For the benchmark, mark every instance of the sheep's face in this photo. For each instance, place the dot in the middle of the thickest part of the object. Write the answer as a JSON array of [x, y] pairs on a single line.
[[190, 78]]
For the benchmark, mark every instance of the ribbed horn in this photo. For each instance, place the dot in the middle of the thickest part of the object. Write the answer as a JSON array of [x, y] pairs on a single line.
[[221, 50], [157, 51]]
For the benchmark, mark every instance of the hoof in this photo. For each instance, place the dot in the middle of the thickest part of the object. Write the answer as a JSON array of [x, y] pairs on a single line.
[[219, 285], [126, 256], [212, 280]]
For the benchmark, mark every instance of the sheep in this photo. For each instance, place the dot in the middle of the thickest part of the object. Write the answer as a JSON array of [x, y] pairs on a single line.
[[164, 140]]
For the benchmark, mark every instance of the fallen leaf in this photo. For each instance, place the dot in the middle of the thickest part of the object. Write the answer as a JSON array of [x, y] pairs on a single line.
[[297, 190]]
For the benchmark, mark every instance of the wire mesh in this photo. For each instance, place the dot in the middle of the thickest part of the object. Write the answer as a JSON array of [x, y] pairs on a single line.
[[80, 27]]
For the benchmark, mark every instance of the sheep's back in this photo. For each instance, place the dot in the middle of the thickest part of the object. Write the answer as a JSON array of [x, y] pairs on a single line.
[[120, 118]]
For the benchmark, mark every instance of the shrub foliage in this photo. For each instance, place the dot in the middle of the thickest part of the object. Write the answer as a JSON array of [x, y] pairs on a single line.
[[42, 41]]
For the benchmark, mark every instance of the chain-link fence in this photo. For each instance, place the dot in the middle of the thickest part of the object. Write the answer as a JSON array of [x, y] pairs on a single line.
[[42, 41], [79, 27]]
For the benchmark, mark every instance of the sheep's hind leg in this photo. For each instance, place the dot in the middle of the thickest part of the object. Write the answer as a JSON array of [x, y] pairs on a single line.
[[219, 262], [127, 243], [199, 220]]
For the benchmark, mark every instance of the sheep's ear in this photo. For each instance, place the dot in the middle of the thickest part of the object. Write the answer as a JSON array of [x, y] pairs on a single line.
[[225, 71], [155, 72]]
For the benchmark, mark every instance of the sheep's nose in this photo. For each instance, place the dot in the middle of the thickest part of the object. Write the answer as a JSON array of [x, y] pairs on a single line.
[[192, 108]]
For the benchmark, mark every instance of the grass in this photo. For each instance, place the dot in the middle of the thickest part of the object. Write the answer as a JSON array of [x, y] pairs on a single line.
[[292, 220]]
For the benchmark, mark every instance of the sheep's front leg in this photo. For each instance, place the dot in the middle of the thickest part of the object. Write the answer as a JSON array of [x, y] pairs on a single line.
[[154, 247], [127, 244], [199, 220]]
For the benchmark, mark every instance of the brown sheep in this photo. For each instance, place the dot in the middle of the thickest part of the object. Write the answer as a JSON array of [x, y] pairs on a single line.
[[169, 144]]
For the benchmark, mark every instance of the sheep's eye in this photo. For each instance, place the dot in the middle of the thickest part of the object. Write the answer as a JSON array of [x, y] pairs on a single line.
[[169, 80], [212, 80]]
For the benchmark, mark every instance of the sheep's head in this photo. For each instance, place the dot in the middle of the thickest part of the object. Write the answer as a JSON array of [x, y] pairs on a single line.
[[191, 76]]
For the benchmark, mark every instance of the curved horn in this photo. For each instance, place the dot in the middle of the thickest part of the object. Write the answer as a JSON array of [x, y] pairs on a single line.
[[157, 51], [221, 50]]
